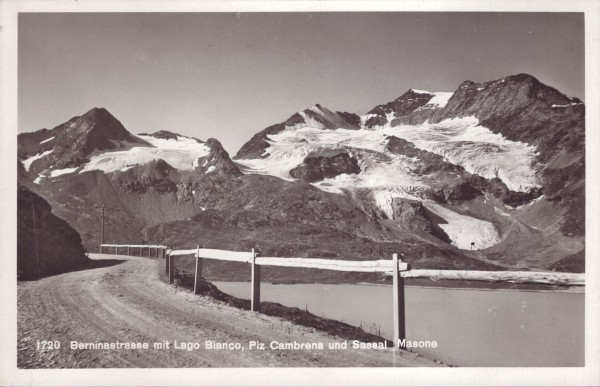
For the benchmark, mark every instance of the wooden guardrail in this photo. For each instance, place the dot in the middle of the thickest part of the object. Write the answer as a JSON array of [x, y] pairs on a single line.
[[140, 248], [398, 269]]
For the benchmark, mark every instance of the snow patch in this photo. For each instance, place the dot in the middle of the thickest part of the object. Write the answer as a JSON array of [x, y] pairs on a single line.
[[522, 206], [384, 200], [502, 213], [27, 162], [48, 140], [365, 118], [60, 172], [421, 91], [464, 230], [439, 100], [210, 169], [308, 121], [569, 104]]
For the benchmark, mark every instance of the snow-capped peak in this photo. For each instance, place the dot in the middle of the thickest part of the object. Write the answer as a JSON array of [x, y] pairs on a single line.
[[420, 91]]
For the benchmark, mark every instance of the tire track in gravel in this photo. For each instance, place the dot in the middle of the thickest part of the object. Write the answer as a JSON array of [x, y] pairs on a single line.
[[127, 302]]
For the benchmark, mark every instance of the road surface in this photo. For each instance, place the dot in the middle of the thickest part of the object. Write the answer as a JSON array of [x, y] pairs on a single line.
[[123, 300]]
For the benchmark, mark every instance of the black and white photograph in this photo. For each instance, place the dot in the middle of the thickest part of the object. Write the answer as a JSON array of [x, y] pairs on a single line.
[[320, 188]]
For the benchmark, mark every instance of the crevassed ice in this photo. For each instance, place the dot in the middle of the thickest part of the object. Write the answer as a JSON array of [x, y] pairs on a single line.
[[390, 173], [181, 154], [476, 148], [461, 141], [27, 162]]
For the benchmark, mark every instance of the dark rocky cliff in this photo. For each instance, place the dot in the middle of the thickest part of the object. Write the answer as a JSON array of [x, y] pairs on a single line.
[[46, 244]]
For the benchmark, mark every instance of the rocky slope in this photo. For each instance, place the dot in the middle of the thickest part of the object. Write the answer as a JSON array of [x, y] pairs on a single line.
[[71, 144]]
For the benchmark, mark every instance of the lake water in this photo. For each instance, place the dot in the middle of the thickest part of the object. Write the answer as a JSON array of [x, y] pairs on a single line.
[[473, 327]]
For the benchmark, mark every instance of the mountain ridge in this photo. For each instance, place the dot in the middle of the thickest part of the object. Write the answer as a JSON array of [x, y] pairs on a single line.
[[453, 180]]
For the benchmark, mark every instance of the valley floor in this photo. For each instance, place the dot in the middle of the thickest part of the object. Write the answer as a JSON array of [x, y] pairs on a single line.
[[123, 300]]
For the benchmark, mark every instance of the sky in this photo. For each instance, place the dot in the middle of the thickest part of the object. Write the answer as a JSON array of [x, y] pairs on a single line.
[[230, 75]]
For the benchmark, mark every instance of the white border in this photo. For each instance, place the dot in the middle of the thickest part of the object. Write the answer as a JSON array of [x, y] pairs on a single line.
[[9, 375]]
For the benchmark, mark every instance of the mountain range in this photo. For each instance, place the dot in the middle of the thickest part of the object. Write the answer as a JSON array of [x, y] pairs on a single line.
[[490, 176]]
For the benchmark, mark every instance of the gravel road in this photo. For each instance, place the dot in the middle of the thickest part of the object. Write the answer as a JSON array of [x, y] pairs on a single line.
[[123, 300]]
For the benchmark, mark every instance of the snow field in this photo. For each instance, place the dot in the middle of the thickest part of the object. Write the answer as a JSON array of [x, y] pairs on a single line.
[[387, 172], [47, 140], [477, 149], [27, 162], [439, 100], [60, 172], [181, 154], [460, 141], [463, 230]]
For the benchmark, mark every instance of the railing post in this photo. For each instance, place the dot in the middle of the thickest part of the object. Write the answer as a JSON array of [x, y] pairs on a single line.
[[167, 263], [128, 249], [255, 285], [102, 232], [398, 299], [198, 272], [141, 250], [116, 249], [171, 269]]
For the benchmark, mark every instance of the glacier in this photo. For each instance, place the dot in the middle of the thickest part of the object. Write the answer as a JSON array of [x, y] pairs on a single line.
[[461, 141], [181, 154]]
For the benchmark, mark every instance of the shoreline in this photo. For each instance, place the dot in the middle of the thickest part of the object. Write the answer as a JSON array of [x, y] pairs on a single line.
[[450, 284], [294, 315]]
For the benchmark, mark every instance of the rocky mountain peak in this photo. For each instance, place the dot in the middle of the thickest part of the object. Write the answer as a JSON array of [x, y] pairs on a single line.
[[402, 106], [71, 143], [101, 123], [217, 161], [321, 117]]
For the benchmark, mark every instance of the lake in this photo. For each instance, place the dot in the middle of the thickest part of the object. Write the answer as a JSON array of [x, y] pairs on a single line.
[[473, 327]]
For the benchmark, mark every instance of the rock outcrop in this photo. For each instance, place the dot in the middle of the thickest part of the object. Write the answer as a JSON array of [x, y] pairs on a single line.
[[46, 244]]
